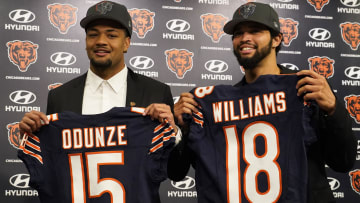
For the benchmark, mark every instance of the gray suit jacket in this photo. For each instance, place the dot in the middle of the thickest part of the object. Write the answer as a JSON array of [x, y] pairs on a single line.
[[141, 91]]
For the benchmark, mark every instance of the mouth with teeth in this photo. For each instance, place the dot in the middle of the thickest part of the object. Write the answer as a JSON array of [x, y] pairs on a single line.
[[246, 50]]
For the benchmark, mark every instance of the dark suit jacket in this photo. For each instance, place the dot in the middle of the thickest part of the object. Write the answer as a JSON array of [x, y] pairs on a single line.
[[336, 147], [141, 91]]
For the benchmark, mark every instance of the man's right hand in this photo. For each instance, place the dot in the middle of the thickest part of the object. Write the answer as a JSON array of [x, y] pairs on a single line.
[[32, 121], [186, 104]]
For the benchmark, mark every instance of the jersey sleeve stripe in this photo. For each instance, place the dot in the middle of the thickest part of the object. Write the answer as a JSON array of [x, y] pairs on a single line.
[[36, 156], [37, 148], [158, 146], [159, 127]]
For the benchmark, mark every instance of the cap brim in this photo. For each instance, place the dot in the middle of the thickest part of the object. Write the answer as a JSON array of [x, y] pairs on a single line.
[[85, 21], [230, 26]]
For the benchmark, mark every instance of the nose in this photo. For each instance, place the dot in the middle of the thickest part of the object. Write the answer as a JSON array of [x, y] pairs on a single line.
[[101, 39], [246, 36]]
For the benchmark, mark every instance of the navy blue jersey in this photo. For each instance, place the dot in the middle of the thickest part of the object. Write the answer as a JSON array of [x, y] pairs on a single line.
[[250, 142], [118, 156]]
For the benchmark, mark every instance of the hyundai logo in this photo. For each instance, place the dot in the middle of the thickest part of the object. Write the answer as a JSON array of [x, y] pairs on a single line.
[[20, 180], [22, 97], [353, 72], [319, 34], [178, 25], [63, 58], [285, 1], [334, 184], [351, 3], [216, 66], [22, 16], [141, 62], [185, 184], [290, 66]]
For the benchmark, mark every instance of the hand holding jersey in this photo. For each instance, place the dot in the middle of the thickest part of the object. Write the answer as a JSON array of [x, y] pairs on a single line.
[[318, 89]]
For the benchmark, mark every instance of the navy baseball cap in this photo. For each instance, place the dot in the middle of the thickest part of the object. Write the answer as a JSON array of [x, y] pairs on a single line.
[[111, 11], [254, 12]]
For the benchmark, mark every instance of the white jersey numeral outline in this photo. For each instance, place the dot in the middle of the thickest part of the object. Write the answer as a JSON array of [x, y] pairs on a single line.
[[266, 163], [96, 186]]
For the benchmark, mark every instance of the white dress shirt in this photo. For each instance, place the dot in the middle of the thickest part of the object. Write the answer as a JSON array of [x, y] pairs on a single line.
[[101, 95]]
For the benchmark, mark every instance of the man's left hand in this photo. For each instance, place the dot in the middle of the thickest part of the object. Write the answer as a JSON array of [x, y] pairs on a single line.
[[315, 87], [161, 112]]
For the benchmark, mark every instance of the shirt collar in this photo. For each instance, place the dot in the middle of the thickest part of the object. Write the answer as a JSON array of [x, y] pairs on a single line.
[[116, 82]]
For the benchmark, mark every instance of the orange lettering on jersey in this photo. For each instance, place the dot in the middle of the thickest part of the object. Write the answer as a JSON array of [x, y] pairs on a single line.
[[258, 111], [121, 135], [243, 115], [281, 101], [226, 111], [89, 137], [95, 137], [110, 141], [233, 117], [217, 112], [259, 105], [269, 103]]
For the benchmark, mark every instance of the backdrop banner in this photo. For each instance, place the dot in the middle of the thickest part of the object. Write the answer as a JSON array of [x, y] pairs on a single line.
[[42, 46]]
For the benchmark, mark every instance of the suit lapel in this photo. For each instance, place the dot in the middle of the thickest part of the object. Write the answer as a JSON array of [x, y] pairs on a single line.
[[134, 94], [76, 95]]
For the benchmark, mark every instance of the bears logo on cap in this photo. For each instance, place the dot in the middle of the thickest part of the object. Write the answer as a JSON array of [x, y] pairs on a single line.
[[104, 7], [246, 10]]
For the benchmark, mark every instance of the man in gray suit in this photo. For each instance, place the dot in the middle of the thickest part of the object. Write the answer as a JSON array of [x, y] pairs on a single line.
[[108, 82]]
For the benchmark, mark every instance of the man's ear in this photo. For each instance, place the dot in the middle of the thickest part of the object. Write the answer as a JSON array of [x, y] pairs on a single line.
[[126, 44], [277, 40]]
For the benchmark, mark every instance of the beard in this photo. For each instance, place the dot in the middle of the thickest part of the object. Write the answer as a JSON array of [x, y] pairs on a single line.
[[100, 64], [250, 63]]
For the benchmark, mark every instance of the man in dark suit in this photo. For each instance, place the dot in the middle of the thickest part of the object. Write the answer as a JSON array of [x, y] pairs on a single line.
[[108, 82], [257, 39]]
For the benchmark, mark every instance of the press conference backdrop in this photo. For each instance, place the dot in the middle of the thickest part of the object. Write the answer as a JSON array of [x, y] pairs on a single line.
[[42, 46]]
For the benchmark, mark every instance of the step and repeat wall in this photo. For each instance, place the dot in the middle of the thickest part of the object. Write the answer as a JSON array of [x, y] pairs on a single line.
[[42, 46]]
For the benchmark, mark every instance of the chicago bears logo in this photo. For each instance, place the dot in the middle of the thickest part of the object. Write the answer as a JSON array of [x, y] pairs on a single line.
[[22, 53], [212, 25], [355, 180], [350, 33], [322, 65], [142, 20], [54, 85], [179, 61], [353, 107], [289, 28], [14, 134], [62, 16], [318, 4]]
